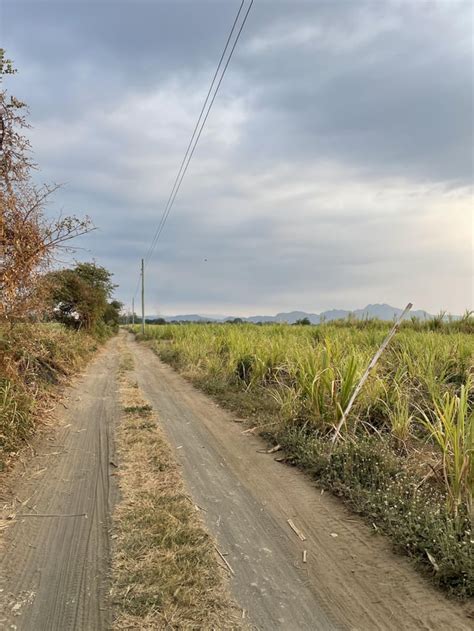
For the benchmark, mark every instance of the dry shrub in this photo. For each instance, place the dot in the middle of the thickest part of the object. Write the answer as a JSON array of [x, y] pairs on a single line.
[[33, 360], [28, 240]]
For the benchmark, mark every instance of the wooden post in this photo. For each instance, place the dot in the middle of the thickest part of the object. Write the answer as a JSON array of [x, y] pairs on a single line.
[[363, 379]]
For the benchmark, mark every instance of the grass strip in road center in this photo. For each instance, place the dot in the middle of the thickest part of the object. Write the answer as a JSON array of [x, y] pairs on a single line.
[[165, 572]]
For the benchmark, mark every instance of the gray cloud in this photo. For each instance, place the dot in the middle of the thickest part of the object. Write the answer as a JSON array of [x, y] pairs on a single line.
[[334, 170]]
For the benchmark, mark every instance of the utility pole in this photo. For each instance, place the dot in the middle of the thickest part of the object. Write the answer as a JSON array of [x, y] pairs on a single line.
[[143, 297], [133, 311]]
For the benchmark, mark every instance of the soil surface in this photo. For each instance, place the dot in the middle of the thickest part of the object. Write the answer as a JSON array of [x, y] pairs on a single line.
[[53, 568], [54, 555]]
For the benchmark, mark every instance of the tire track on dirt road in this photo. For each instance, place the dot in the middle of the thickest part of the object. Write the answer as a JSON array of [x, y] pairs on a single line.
[[53, 569], [351, 579]]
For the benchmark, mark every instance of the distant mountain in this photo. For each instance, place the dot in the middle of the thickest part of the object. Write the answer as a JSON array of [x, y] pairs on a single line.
[[380, 311], [386, 312], [294, 316], [334, 314], [256, 319], [192, 317]]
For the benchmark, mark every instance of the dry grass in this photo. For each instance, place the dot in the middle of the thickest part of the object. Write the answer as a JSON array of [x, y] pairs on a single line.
[[35, 360], [166, 574]]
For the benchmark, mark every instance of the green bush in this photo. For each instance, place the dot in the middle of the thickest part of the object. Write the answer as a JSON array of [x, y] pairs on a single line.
[[374, 481]]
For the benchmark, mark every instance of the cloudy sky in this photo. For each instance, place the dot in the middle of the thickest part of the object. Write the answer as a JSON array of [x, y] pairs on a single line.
[[335, 168]]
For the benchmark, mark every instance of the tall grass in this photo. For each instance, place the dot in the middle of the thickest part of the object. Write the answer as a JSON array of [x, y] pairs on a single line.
[[416, 405], [312, 371], [15, 415], [453, 432], [33, 360]]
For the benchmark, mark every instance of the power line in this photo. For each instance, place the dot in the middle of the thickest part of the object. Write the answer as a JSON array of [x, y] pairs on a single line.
[[195, 137], [168, 210], [148, 254], [180, 178]]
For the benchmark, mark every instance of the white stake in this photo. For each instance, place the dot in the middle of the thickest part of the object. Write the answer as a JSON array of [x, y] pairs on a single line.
[[374, 360]]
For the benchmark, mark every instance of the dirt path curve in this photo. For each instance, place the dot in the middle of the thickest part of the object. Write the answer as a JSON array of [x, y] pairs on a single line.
[[53, 569], [351, 580]]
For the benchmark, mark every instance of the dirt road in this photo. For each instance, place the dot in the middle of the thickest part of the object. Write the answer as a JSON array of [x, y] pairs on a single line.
[[53, 570], [53, 567]]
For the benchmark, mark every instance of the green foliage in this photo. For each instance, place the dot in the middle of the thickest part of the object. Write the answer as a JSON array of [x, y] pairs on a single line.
[[160, 321], [112, 314], [6, 65], [96, 277], [453, 432], [303, 322], [79, 297], [375, 482]]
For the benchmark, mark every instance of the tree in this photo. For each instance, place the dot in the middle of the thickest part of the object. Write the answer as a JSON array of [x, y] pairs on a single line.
[[28, 240], [303, 321], [79, 297], [160, 321], [96, 277], [112, 313]]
